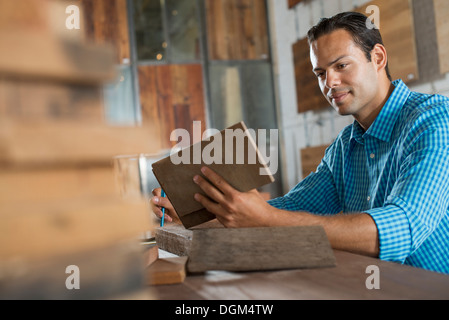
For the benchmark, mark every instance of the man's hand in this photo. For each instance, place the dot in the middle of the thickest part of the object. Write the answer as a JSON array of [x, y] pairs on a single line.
[[157, 203], [355, 232], [232, 208]]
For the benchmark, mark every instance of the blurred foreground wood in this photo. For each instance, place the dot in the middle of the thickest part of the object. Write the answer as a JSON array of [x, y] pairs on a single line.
[[59, 204]]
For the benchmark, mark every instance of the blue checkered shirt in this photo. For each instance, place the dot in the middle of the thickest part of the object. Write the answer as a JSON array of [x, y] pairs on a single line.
[[397, 172]]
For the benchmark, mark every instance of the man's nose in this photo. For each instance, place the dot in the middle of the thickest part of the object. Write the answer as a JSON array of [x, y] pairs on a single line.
[[332, 79]]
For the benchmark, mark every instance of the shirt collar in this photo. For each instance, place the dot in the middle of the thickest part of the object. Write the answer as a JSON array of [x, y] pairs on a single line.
[[383, 125]]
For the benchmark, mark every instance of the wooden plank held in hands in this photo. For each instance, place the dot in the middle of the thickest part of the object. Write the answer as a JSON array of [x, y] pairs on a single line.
[[248, 172]]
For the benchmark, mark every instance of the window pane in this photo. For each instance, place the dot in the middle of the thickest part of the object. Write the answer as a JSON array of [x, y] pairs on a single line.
[[183, 30], [258, 95], [149, 30], [120, 104], [242, 91], [226, 98]]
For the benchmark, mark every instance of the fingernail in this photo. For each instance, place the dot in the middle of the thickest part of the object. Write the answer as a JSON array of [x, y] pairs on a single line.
[[195, 179], [196, 197], [156, 200], [203, 169]]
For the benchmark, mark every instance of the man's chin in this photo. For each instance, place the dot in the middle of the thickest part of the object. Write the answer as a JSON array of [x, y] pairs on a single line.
[[341, 110]]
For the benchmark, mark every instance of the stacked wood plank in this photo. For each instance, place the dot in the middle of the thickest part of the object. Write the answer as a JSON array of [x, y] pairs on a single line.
[[59, 205]]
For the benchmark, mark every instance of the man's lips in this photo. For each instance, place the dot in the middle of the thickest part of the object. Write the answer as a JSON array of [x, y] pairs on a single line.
[[337, 97]]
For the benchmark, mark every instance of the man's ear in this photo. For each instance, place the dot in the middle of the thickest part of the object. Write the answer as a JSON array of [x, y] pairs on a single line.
[[379, 57]]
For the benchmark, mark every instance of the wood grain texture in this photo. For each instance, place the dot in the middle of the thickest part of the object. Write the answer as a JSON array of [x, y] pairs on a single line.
[[44, 56], [45, 229], [442, 28], [311, 158], [308, 93], [398, 34], [248, 249], [106, 22], [50, 101], [237, 29], [176, 239], [345, 281], [113, 270], [167, 271], [172, 96], [30, 15], [151, 254], [67, 143], [53, 184]]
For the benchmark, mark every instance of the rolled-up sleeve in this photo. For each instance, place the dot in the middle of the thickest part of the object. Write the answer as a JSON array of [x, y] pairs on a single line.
[[394, 232], [420, 196]]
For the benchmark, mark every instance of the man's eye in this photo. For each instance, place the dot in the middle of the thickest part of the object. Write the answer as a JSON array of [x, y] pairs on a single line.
[[342, 66], [320, 75]]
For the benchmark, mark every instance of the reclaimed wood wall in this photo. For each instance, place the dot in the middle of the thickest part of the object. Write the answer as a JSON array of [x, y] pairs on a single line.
[[106, 22], [308, 93], [237, 29], [398, 33], [174, 95]]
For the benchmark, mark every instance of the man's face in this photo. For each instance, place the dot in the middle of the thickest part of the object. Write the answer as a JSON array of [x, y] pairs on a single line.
[[346, 78]]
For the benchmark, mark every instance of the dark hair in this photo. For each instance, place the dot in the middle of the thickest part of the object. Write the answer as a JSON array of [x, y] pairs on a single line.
[[356, 24]]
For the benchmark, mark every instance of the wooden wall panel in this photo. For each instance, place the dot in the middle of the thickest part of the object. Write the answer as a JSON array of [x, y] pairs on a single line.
[[237, 29], [442, 28], [292, 3], [106, 22], [398, 33], [172, 97], [426, 40], [310, 158], [308, 93]]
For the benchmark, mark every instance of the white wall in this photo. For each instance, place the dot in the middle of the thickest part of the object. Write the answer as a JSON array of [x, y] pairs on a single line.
[[311, 128]]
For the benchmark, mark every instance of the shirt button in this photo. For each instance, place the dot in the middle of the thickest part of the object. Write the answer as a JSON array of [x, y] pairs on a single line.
[[372, 155], [369, 198]]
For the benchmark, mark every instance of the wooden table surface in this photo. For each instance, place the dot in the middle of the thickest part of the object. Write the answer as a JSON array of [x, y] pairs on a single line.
[[345, 281]]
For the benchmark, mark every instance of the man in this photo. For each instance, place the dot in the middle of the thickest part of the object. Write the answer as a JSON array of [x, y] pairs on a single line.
[[382, 188]]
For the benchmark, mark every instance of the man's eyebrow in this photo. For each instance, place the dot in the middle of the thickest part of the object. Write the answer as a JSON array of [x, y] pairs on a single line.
[[330, 63]]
